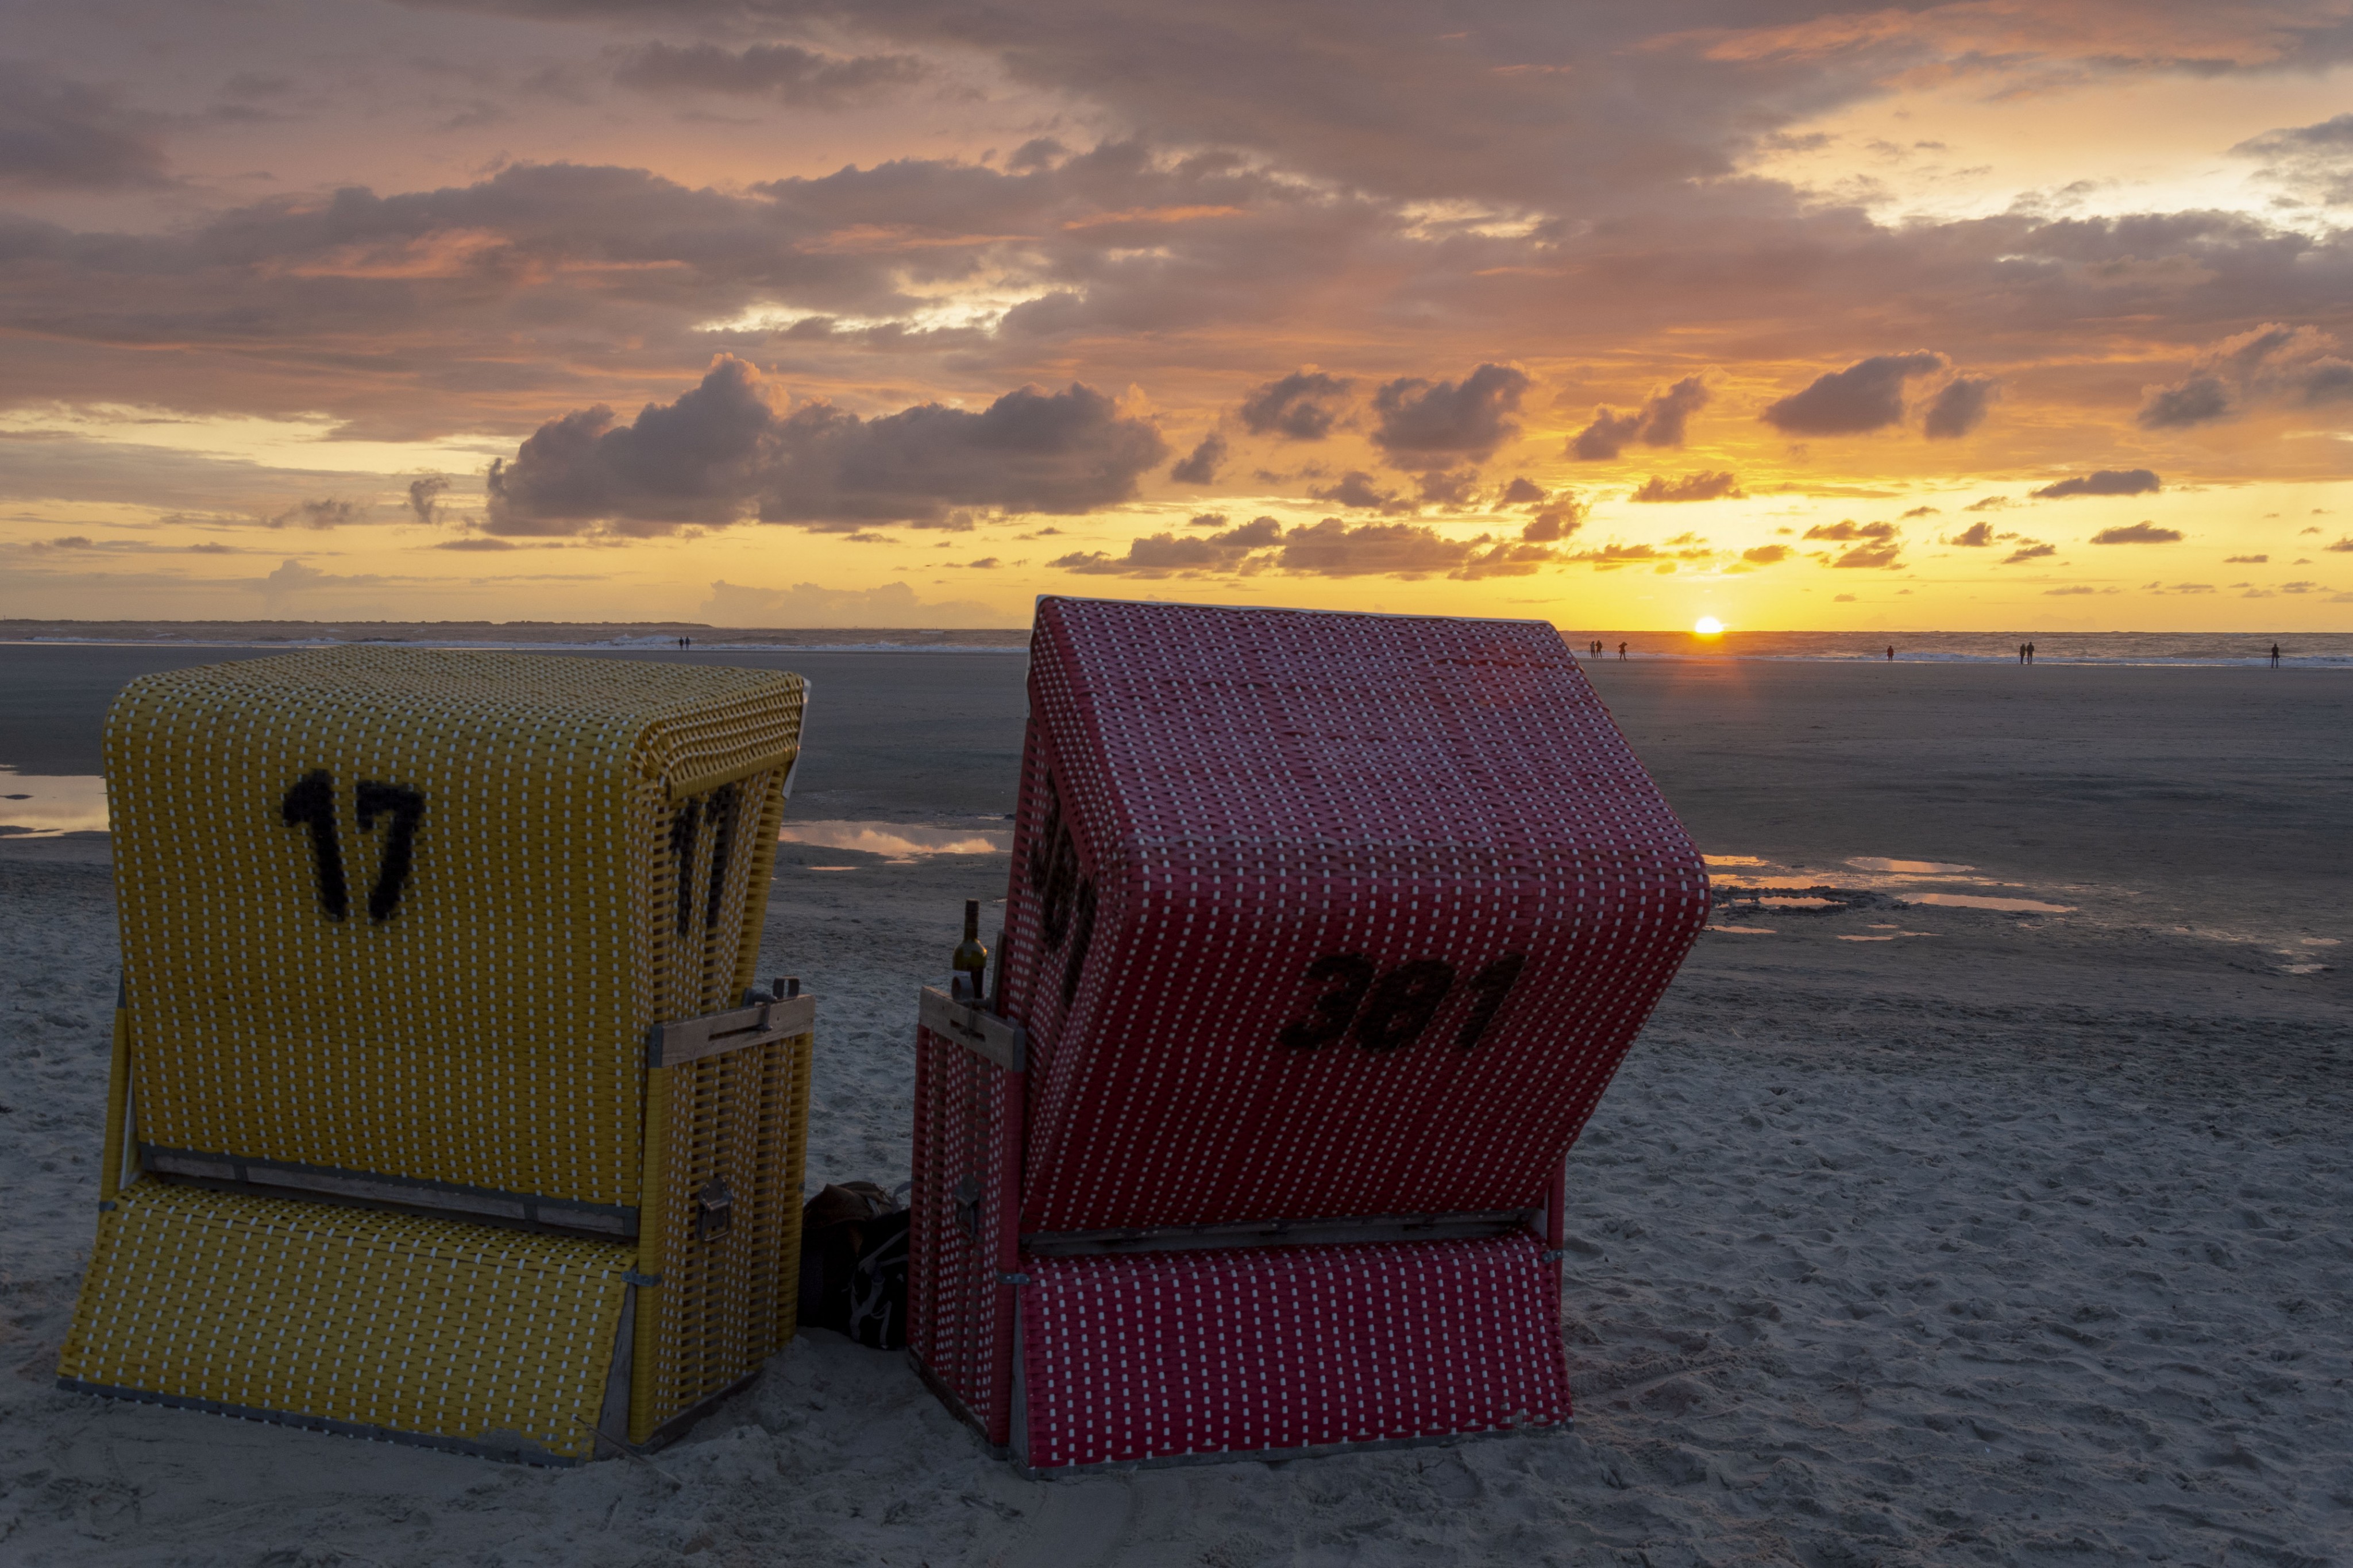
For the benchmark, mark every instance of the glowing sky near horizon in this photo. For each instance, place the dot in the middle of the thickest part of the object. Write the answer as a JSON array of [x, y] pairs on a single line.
[[1977, 316]]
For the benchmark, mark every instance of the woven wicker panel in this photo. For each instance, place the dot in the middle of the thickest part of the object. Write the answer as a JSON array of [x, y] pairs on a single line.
[[959, 1317], [1319, 915], [726, 1302], [1165, 1355], [587, 848], [435, 1328]]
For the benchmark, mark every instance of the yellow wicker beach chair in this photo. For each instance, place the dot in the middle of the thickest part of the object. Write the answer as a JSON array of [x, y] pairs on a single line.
[[442, 1108]]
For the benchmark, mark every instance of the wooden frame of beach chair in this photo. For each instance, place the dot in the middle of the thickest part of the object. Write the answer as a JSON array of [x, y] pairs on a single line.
[[441, 1109], [1323, 935]]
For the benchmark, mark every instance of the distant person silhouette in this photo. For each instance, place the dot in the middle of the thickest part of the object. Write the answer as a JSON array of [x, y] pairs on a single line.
[[2030, 653], [2275, 656], [1891, 652], [1621, 651], [2021, 653]]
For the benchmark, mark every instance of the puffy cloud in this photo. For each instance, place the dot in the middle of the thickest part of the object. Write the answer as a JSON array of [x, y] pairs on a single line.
[[809, 605], [1423, 420], [1336, 549], [1869, 555], [1609, 557], [2028, 550], [2344, 545], [1459, 488], [1923, 512], [56, 134], [1765, 554], [1988, 503], [1660, 422], [2269, 364], [782, 71], [1300, 407], [1357, 489], [722, 450], [1959, 408], [1866, 396], [2137, 533], [1523, 491], [425, 497], [1200, 465], [325, 512], [2245, 560], [1168, 554], [2315, 161], [1850, 530], [1705, 485], [2101, 482], [1977, 536], [1563, 516]]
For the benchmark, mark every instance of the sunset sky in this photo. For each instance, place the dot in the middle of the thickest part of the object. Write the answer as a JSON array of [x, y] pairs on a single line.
[[2033, 315]]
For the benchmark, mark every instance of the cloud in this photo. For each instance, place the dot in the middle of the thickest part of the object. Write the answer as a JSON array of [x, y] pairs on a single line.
[[1358, 488], [1988, 503], [1765, 554], [2342, 545], [720, 451], [2314, 162], [2068, 593], [1977, 536], [1419, 421], [2137, 533], [2269, 364], [325, 512], [425, 497], [1440, 487], [1201, 465], [1661, 422], [781, 72], [2245, 560], [1869, 555], [1852, 529], [1705, 485], [1168, 554], [1300, 407], [1866, 396], [2101, 482], [1923, 512], [810, 606], [1336, 549], [1609, 557], [1563, 516], [2028, 550], [1959, 406], [1523, 491], [62, 135]]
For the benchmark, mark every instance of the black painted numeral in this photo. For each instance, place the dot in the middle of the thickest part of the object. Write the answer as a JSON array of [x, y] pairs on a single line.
[[1347, 976], [1385, 1012], [312, 804], [681, 852], [722, 813], [404, 806], [1403, 1004], [1488, 989]]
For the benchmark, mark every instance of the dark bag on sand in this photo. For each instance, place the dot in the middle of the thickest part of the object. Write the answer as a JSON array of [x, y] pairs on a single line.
[[854, 1265]]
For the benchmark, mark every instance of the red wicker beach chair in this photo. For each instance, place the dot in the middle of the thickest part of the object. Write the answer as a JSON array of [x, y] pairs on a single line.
[[1325, 934]]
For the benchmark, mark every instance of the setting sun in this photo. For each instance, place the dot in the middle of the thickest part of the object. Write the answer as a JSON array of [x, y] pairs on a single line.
[[1707, 627]]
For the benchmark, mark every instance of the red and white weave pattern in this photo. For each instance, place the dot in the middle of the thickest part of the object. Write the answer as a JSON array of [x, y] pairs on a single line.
[[1312, 917], [1238, 1352]]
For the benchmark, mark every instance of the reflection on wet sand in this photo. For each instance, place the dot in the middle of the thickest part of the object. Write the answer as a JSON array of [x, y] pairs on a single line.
[[41, 805]]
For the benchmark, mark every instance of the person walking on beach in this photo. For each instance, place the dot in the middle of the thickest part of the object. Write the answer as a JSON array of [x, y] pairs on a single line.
[[2275, 656], [2021, 653], [2030, 653], [1621, 652], [1891, 652]]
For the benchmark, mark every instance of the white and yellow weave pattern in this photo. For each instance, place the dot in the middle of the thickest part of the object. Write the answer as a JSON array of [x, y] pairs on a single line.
[[376, 1321]]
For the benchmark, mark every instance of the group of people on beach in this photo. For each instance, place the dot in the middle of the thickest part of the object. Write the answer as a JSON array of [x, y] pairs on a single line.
[[2026, 653], [1594, 649]]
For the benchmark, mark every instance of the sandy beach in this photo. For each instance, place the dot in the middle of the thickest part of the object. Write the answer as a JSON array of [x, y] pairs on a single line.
[[1978, 1195]]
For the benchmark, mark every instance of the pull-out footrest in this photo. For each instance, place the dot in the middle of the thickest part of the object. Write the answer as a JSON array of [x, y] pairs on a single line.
[[485, 1340], [1283, 1351]]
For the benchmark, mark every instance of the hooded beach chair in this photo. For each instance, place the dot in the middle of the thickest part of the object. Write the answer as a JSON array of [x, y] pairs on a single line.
[[1323, 935], [442, 1111]]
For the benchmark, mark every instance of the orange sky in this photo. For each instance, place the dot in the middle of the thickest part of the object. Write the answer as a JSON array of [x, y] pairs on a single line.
[[807, 314]]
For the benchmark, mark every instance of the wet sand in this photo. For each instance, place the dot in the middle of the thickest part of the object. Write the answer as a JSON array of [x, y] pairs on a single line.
[[1910, 1234]]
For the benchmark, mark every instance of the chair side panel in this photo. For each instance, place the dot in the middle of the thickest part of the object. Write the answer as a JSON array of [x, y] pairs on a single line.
[[964, 1201]]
